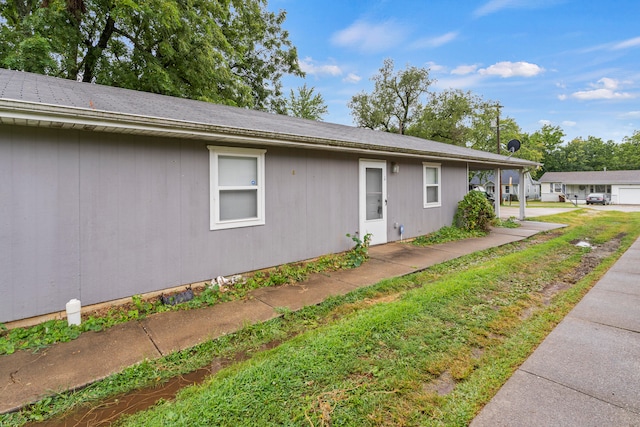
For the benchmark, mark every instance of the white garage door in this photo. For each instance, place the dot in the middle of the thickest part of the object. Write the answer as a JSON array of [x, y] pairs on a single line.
[[630, 196]]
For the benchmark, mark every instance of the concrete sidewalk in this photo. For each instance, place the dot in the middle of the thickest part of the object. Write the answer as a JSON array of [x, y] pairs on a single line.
[[587, 371]]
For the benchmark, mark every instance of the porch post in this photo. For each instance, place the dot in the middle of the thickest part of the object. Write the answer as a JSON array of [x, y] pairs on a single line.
[[522, 194], [497, 193]]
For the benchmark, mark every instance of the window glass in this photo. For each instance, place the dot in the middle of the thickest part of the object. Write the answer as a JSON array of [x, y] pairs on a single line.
[[432, 195], [237, 187], [374, 193], [237, 171], [238, 204], [431, 182], [430, 175]]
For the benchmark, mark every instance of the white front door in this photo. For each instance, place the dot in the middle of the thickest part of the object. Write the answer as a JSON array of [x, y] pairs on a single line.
[[373, 200]]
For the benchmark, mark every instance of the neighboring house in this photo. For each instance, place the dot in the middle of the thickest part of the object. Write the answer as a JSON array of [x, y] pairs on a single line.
[[510, 183], [623, 187], [108, 193]]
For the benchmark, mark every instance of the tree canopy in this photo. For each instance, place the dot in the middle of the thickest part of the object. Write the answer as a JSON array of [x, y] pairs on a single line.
[[306, 104], [231, 52], [395, 101]]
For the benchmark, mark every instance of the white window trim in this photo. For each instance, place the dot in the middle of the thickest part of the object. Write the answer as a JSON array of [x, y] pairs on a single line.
[[438, 168], [214, 189]]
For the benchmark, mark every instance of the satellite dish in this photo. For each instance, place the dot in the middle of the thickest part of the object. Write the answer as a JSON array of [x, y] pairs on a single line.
[[513, 145]]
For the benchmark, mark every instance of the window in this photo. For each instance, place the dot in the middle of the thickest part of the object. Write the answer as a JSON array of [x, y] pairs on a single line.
[[557, 188], [601, 189], [237, 187], [431, 180]]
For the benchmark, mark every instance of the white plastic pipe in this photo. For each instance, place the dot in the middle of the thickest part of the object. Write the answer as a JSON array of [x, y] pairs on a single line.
[[73, 312]]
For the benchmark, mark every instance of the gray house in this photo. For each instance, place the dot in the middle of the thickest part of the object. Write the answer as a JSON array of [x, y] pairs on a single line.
[[510, 183], [107, 193], [623, 187]]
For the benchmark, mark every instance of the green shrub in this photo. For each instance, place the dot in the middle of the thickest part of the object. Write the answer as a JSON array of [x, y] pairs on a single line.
[[474, 212], [360, 252]]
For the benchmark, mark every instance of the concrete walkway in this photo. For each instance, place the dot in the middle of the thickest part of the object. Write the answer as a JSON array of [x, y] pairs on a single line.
[[587, 371], [27, 377]]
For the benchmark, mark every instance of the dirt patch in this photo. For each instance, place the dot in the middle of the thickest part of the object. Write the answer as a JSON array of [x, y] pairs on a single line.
[[107, 412], [589, 262], [442, 385]]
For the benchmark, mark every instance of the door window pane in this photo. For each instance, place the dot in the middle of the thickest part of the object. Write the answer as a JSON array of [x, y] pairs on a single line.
[[374, 193]]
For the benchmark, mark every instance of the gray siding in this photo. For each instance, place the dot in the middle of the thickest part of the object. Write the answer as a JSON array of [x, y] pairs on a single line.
[[100, 216], [405, 204]]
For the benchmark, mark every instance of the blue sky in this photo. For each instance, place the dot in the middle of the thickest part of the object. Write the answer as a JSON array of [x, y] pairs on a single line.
[[570, 63]]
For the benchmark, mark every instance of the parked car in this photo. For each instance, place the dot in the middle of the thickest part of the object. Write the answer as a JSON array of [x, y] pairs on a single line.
[[598, 198], [481, 189]]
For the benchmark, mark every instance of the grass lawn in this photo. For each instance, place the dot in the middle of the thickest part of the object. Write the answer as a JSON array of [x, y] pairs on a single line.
[[427, 349], [430, 348], [538, 204]]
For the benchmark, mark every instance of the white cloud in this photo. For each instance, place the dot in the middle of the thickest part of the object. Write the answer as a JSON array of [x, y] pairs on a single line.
[[462, 70], [352, 78], [607, 83], [565, 123], [634, 42], [435, 41], [562, 97], [631, 115], [625, 44], [435, 68], [309, 66], [370, 37], [507, 69], [464, 82], [605, 88], [493, 6]]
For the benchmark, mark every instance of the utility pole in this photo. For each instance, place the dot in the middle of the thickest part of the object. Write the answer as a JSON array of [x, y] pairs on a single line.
[[498, 107], [498, 171]]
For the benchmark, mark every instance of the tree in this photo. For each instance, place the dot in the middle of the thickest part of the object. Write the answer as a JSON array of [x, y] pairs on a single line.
[[591, 154], [549, 141], [394, 103], [233, 52], [628, 153], [306, 104], [447, 117], [484, 134]]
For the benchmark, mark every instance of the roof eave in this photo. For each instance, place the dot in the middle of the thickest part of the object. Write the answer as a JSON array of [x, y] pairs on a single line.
[[54, 116]]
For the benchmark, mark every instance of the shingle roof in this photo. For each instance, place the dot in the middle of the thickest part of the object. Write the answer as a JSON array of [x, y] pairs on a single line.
[[38, 100], [593, 177]]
